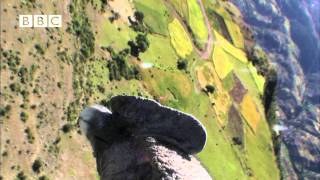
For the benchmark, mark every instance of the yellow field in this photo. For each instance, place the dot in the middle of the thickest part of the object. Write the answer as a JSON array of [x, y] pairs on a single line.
[[235, 34], [229, 48], [196, 21], [221, 62], [250, 112], [259, 79], [180, 39]]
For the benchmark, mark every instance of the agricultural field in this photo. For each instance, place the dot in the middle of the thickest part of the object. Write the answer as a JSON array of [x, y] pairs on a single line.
[[180, 39], [235, 33], [221, 62], [197, 23], [49, 76], [181, 6], [229, 48]]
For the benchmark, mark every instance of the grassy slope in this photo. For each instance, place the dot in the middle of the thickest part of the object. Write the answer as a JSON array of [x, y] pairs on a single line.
[[234, 163], [222, 159], [110, 35], [160, 54], [157, 16], [182, 8]]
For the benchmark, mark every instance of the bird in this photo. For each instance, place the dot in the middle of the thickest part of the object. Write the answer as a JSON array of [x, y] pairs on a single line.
[[138, 138]]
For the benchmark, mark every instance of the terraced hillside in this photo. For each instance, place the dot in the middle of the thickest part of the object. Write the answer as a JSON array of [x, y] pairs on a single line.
[[187, 54]]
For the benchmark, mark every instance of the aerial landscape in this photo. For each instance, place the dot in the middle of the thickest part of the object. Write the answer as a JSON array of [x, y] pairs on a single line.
[[247, 70]]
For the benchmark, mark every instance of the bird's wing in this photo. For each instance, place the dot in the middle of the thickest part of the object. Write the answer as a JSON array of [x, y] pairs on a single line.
[[149, 118]]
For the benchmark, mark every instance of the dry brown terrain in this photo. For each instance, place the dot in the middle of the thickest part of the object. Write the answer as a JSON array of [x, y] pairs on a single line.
[[64, 156]]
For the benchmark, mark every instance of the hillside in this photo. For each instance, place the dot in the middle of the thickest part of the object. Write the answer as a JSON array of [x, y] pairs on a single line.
[[289, 33], [188, 54]]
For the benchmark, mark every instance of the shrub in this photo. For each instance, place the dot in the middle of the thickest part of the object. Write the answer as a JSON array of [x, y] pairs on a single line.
[[182, 64], [24, 116], [269, 97], [72, 112], [5, 153], [44, 177], [13, 59], [4, 111], [119, 67], [210, 89], [81, 27], [36, 166], [237, 141], [15, 87], [25, 94], [101, 89], [59, 84], [23, 74], [41, 115], [104, 3], [30, 136], [67, 128], [115, 16], [39, 49], [21, 176]]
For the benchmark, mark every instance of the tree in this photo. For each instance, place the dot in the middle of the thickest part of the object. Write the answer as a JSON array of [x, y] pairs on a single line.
[[140, 45], [139, 16], [182, 64], [142, 42], [134, 50], [137, 24], [269, 97], [210, 89]]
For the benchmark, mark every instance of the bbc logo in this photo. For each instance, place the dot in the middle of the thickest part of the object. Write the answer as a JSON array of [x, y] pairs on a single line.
[[40, 21]]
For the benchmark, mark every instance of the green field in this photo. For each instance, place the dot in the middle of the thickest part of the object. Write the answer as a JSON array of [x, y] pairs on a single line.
[[157, 15], [111, 35], [160, 53], [197, 22]]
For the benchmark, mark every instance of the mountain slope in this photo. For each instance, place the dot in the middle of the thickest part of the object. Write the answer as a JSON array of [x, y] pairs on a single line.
[[289, 32]]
